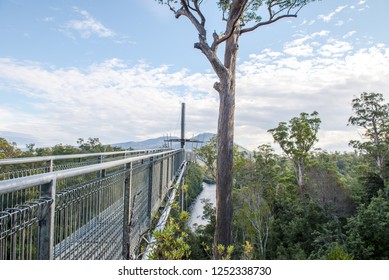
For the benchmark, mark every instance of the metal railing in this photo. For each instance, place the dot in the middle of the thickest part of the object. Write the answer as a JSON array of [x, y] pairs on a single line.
[[23, 167], [100, 211]]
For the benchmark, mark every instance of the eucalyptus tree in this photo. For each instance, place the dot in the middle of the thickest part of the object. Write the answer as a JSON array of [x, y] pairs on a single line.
[[372, 113], [296, 139], [241, 17]]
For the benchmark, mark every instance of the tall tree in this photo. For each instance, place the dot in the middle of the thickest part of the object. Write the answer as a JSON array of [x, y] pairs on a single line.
[[240, 16], [372, 113], [297, 139]]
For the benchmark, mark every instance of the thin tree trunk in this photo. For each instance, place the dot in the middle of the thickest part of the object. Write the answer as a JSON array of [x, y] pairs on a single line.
[[298, 165]]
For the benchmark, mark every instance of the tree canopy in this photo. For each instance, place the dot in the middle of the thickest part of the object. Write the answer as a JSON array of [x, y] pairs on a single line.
[[297, 138], [372, 114]]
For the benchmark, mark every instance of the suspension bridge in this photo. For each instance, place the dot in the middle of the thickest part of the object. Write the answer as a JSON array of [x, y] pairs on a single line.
[[85, 206]]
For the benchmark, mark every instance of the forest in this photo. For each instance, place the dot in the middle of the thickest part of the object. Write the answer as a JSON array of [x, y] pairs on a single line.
[[305, 203], [302, 204]]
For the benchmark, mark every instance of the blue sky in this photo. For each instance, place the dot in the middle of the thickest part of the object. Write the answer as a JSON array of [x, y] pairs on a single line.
[[118, 70]]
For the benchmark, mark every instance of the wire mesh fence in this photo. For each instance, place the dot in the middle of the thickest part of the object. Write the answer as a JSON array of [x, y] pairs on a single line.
[[99, 211], [23, 167]]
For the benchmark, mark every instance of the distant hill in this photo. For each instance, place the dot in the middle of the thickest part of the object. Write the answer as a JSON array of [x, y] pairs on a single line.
[[156, 143], [20, 139]]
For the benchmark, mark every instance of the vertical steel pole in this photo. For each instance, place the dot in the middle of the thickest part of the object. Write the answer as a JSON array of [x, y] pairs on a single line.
[[182, 125], [150, 193], [49, 166], [127, 213], [161, 179], [46, 224]]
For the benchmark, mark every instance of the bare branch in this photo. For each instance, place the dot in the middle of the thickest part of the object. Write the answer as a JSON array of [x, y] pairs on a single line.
[[274, 16], [172, 8], [185, 10], [266, 23], [231, 24], [197, 4]]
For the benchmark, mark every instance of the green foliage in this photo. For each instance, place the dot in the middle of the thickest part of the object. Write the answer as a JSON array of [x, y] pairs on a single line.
[[207, 154], [205, 233], [297, 138], [172, 242], [177, 241], [371, 184], [372, 113], [93, 145], [8, 150], [327, 186], [253, 203], [243, 168], [296, 221], [252, 10], [61, 149], [225, 253], [194, 184], [338, 253], [247, 251], [368, 231]]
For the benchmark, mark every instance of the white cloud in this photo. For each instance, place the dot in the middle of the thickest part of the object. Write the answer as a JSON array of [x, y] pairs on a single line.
[[322, 33], [363, 5], [110, 100], [327, 18], [349, 34], [301, 47], [88, 26], [335, 48], [117, 102], [281, 89], [299, 50]]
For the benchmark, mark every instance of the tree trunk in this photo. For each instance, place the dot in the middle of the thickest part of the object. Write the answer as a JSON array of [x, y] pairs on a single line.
[[223, 231], [301, 172], [298, 166], [379, 159], [224, 178]]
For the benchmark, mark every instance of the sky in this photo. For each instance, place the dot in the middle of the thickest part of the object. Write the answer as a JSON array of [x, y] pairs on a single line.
[[119, 70]]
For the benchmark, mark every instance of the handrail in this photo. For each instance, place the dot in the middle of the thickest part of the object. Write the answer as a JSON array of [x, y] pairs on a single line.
[[72, 156], [22, 183]]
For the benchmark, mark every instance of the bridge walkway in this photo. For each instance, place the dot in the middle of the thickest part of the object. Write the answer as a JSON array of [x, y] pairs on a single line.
[[95, 211]]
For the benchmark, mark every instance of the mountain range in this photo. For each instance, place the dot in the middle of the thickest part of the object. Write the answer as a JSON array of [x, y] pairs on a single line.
[[156, 143]]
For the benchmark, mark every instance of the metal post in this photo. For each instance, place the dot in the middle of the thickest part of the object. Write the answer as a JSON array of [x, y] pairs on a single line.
[[182, 125], [46, 222], [167, 171], [161, 179], [150, 193], [100, 159], [127, 213], [49, 165]]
